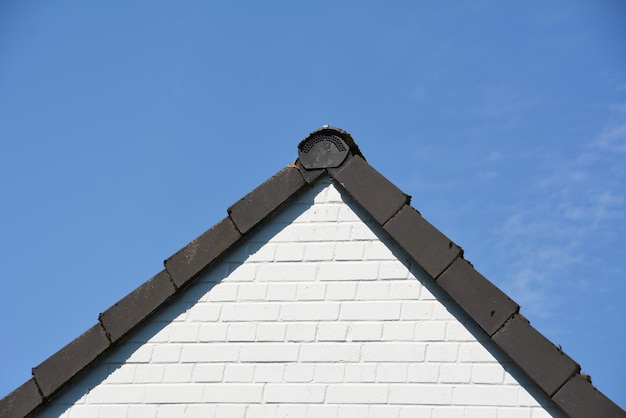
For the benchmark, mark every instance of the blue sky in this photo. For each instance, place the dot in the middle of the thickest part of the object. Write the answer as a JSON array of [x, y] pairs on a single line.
[[128, 128]]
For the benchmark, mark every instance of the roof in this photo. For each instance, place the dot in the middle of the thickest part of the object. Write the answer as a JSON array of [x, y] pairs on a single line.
[[332, 152]]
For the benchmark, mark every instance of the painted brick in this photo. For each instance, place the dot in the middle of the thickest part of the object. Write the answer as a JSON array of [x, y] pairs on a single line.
[[487, 373], [404, 289], [293, 252], [194, 411], [300, 393], [377, 290], [474, 352], [341, 291], [299, 372], [361, 232], [398, 330], [113, 411], [231, 411], [238, 373], [442, 352], [232, 393], [490, 395], [328, 352], [377, 250], [204, 312], [166, 353], [349, 251], [250, 312], [392, 270], [316, 411], [223, 292], [206, 353], [318, 252], [346, 214], [420, 394], [310, 311], [252, 291], [324, 213], [392, 372], [365, 331], [347, 270], [455, 373], [363, 311], [356, 394], [212, 332], [391, 352], [291, 411], [269, 352], [329, 373], [423, 373], [208, 373], [456, 331], [419, 310], [266, 373], [448, 412], [347, 411], [261, 411], [332, 331], [286, 272], [178, 373], [123, 394], [270, 331], [184, 332], [122, 375], [364, 373], [430, 331], [311, 291], [282, 292], [301, 331], [148, 373], [241, 331]]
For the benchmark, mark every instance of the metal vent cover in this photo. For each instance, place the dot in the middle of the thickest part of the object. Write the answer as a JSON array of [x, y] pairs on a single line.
[[322, 150]]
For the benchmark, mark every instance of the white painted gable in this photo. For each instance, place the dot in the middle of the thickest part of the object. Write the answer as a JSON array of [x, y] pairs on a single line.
[[313, 315]]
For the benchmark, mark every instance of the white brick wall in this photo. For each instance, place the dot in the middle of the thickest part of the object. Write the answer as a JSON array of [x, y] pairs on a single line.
[[312, 316]]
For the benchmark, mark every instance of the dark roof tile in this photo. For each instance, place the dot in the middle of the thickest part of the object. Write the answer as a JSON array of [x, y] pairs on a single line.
[[266, 198], [579, 399], [71, 359], [546, 364], [190, 260], [21, 401], [137, 305], [484, 302], [431, 249], [370, 189]]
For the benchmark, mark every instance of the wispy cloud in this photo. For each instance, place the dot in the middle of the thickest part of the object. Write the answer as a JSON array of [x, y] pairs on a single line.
[[575, 198]]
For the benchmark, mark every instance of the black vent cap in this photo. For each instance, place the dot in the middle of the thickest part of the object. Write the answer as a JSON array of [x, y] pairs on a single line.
[[326, 148]]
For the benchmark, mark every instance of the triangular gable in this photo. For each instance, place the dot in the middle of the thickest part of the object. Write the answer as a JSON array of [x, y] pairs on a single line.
[[487, 307]]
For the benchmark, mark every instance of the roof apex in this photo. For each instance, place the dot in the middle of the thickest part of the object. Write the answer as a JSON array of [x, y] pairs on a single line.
[[490, 309]]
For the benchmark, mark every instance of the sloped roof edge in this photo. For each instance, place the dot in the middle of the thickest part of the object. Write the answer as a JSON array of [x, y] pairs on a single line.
[[554, 372]]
